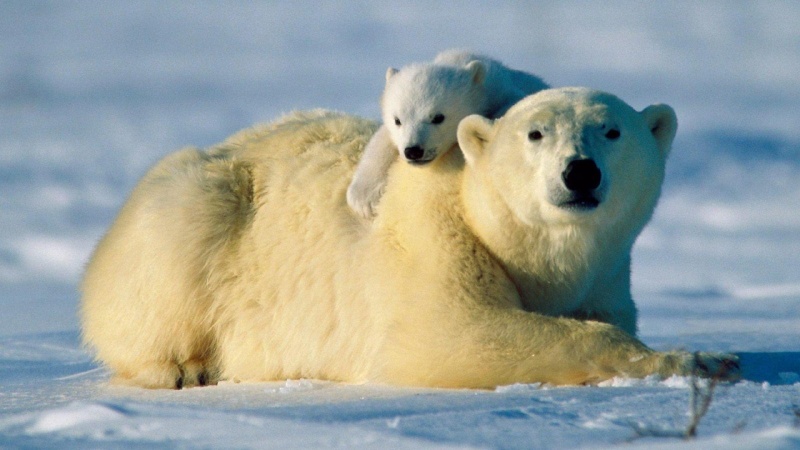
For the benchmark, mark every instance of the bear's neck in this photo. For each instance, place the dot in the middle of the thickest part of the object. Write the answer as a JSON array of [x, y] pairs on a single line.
[[553, 267]]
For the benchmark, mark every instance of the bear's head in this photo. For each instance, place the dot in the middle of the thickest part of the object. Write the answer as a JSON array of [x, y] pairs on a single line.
[[571, 159], [422, 105]]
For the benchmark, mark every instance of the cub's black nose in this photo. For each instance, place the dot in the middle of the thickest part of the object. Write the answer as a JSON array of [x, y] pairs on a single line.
[[581, 175], [414, 153]]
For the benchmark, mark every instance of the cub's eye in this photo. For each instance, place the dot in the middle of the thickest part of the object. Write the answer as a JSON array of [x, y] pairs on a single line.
[[612, 134], [397, 121], [437, 119], [535, 135]]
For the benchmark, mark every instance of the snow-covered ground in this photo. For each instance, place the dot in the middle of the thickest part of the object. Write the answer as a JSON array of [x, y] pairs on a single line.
[[92, 93]]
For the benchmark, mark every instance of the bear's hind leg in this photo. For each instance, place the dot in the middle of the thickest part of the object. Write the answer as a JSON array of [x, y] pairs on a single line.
[[169, 375], [198, 372], [151, 375]]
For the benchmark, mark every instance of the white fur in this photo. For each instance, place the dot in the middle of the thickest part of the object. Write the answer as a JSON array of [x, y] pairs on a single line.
[[455, 85], [244, 262], [572, 122]]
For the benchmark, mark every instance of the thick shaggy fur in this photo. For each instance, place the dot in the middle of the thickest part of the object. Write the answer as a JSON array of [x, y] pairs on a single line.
[[245, 263]]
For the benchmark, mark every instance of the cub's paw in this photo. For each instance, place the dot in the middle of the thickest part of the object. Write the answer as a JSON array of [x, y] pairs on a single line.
[[363, 198]]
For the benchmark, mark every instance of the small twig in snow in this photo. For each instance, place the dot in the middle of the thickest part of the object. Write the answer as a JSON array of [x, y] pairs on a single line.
[[700, 399], [699, 403]]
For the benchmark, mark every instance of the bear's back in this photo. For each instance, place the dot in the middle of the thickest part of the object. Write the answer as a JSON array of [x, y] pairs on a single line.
[[299, 255], [300, 169], [302, 161]]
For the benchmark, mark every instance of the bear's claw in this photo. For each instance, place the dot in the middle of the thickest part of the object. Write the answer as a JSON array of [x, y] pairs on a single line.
[[718, 366]]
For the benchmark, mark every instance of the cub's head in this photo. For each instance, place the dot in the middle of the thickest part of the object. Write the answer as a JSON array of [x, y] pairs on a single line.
[[422, 105], [570, 156]]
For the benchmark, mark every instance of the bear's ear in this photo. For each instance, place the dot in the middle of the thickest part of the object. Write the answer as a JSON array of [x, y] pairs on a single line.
[[473, 134], [663, 123], [390, 73], [478, 71]]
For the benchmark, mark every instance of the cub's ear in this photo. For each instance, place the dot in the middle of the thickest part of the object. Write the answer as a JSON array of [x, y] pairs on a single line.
[[663, 123], [478, 71], [474, 133], [390, 73]]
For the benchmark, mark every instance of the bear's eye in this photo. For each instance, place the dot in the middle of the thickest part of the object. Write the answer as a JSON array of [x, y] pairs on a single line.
[[612, 134], [535, 135], [397, 121], [437, 119]]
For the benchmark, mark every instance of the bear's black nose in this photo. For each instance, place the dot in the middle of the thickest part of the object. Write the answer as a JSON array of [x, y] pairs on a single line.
[[414, 153], [581, 175]]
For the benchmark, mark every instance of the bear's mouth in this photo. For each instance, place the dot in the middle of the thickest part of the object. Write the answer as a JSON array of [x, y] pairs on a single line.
[[420, 162], [585, 202]]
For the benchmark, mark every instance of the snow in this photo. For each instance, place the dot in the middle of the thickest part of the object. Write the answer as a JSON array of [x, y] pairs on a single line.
[[91, 94]]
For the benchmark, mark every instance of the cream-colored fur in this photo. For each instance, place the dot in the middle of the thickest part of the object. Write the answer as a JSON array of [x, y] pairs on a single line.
[[245, 262]]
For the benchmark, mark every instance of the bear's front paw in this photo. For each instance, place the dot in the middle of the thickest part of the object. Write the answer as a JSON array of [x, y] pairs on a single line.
[[364, 198], [719, 366]]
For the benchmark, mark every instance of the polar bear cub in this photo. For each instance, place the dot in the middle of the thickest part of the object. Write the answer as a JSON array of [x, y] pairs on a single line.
[[421, 106]]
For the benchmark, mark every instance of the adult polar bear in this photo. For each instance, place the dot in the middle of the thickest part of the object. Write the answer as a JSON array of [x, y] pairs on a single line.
[[245, 262]]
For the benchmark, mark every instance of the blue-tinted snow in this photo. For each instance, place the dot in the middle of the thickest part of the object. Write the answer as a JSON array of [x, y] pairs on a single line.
[[92, 93]]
